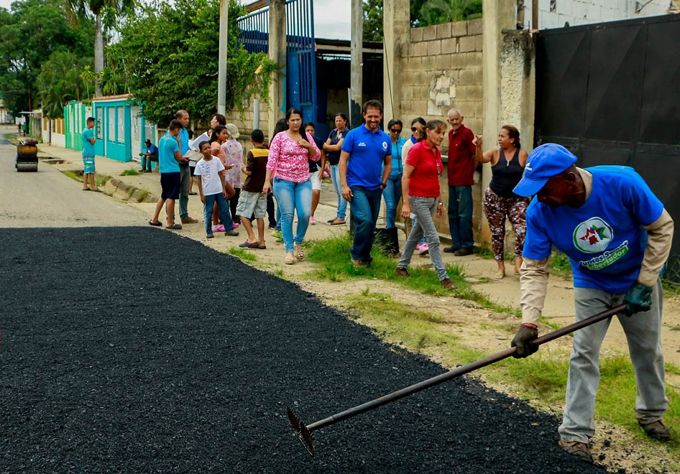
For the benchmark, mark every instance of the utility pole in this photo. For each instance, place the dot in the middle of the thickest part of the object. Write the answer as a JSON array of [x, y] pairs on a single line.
[[222, 58], [277, 53], [356, 63]]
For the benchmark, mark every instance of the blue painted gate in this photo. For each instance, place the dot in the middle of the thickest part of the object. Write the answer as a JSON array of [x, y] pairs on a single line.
[[300, 73]]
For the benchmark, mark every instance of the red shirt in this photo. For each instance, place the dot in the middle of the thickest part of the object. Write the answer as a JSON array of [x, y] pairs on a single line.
[[424, 181], [462, 160]]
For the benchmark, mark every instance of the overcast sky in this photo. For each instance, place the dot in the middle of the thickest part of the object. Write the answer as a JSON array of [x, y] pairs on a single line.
[[331, 17]]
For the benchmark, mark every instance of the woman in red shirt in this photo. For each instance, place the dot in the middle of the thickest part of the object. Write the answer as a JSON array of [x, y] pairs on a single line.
[[420, 183]]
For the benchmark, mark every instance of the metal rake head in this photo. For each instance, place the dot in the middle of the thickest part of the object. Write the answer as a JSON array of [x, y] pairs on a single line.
[[301, 432]]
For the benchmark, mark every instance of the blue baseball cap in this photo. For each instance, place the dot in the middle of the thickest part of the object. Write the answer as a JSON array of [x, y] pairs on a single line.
[[543, 163]]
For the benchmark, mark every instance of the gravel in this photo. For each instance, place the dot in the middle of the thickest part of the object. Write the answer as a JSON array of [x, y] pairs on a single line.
[[136, 350]]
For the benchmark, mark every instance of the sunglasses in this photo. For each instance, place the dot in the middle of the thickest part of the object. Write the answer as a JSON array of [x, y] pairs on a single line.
[[415, 129], [395, 130]]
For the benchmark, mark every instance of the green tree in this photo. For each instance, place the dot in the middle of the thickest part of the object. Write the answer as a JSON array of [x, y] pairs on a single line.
[[105, 13], [168, 59], [29, 34], [61, 80]]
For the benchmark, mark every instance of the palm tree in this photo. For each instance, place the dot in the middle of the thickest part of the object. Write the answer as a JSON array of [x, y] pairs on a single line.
[[80, 8], [435, 12]]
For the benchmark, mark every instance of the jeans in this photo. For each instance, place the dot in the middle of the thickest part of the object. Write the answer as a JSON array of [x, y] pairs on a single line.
[[392, 195], [365, 209], [342, 204], [643, 332], [424, 208], [185, 179], [460, 216], [146, 162], [277, 227], [293, 197], [223, 205]]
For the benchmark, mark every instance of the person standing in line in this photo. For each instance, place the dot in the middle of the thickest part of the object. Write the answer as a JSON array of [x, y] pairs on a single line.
[[333, 147], [392, 192], [507, 166], [88, 155], [252, 203], [365, 165], [461, 170], [169, 158], [417, 134], [185, 173], [289, 155], [421, 184], [617, 235], [281, 126], [214, 189], [234, 152], [218, 137], [315, 170], [151, 154]]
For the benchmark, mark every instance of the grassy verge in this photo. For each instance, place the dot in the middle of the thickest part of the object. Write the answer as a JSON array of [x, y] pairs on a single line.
[[541, 378], [332, 256], [242, 254], [99, 179], [130, 173]]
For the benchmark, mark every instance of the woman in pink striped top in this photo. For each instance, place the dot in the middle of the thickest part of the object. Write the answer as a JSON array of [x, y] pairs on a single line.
[[289, 153]]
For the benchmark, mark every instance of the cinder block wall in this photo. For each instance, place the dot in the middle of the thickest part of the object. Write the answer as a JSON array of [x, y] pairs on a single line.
[[441, 70], [244, 121]]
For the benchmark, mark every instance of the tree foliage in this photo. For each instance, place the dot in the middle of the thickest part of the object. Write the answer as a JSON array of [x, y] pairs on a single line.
[[61, 79], [423, 13], [29, 34], [168, 59]]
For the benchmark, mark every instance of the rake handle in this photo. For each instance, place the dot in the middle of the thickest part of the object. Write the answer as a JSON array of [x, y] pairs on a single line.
[[404, 392]]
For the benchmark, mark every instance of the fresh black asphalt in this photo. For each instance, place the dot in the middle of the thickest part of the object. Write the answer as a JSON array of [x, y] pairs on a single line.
[[135, 350]]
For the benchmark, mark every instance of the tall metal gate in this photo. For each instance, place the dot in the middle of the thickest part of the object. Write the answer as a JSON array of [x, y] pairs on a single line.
[[300, 73], [610, 92]]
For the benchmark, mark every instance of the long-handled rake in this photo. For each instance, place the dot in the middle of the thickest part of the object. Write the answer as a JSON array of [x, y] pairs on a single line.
[[304, 432]]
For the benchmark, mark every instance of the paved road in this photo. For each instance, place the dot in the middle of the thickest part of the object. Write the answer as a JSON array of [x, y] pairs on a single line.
[[50, 199]]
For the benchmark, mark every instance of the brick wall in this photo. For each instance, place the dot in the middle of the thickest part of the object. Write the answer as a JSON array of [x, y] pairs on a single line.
[[441, 69]]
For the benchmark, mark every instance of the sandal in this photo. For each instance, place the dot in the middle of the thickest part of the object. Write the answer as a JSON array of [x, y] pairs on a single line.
[[299, 252], [174, 227], [337, 222], [155, 224], [499, 275], [290, 258]]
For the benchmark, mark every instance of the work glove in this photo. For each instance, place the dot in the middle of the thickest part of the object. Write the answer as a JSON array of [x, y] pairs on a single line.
[[523, 341], [638, 299]]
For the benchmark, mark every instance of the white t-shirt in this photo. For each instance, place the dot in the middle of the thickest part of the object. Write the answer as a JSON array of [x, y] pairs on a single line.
[[209, 172]]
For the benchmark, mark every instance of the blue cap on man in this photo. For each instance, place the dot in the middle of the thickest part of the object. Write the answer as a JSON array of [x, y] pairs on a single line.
[[543, 163]]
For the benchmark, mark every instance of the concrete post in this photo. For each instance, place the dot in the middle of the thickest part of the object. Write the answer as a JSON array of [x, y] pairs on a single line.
[[222, 58], [357, 65], [397, 34], [277, 52], [499, 15]]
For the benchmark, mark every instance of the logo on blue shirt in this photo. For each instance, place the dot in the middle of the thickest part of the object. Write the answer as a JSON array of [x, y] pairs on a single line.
[[593, 235]]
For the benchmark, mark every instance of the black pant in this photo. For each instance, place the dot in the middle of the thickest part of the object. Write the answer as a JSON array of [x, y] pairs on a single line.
[[233, 202]]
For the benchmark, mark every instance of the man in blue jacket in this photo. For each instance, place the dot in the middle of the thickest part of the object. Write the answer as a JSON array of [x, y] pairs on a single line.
[[617, 236]]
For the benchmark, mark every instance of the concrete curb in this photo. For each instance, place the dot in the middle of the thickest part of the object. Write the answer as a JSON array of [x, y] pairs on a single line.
[[127, 192]]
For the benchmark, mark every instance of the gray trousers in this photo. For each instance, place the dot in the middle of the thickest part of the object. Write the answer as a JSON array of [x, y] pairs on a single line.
[[643, 332], [185, 186], [424, 209]]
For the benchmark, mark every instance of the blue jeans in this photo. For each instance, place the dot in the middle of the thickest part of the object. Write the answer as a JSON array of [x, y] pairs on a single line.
[[293, 197], [365, 209], [460, 216], [277, 227], [392, 195], [223, 205], [342, 204]]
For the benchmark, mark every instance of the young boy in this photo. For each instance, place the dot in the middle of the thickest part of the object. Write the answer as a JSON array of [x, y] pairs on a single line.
[[88, 156], [169, 158], [252, 202], [210, 173]]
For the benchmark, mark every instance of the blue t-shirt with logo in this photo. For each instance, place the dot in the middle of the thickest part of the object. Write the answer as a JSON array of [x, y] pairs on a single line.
[[167, 146], [367, 151], [604, 238], [88, 147]]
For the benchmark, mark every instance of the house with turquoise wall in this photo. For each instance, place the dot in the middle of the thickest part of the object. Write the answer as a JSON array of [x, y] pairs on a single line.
[[120, 126]]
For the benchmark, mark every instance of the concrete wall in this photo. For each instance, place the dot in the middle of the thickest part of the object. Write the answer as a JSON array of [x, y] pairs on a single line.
[[554, 13], [441, 68], [57, 135], [245, 121]]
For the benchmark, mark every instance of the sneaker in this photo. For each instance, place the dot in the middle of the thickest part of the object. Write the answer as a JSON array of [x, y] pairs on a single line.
[[209, 236], [424, 249], [402, 272], [463, 252], [189, 220], [249, 245], [218, 228], [231, 233], [581, 450], [236, 225], [418, 248], [277, 233], [448, 284], [656, 430], [312, 221], [451, 249]]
